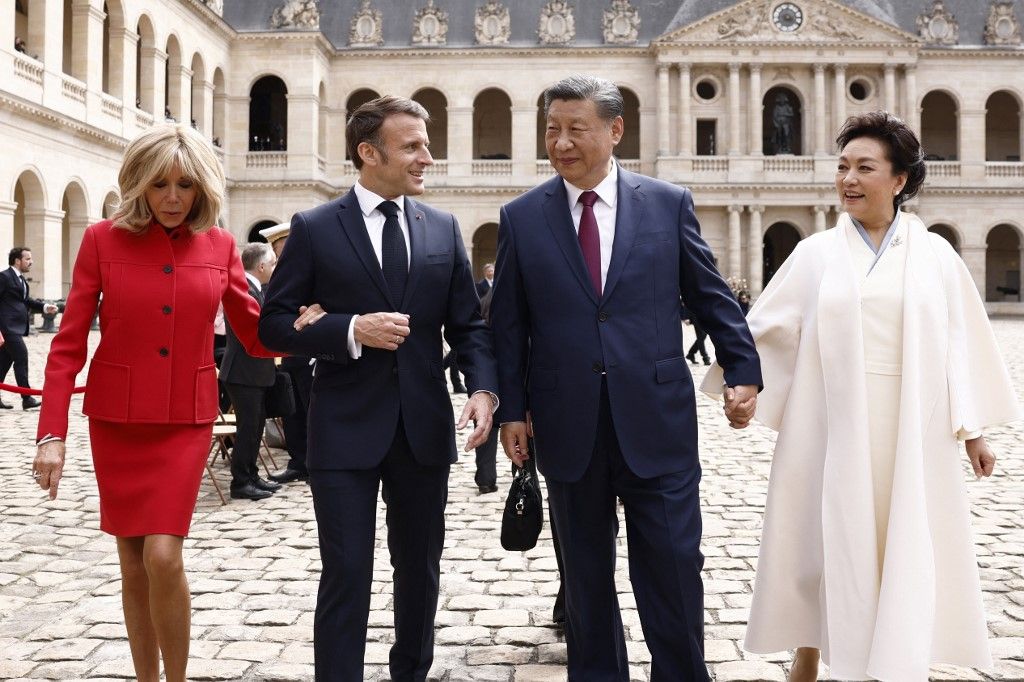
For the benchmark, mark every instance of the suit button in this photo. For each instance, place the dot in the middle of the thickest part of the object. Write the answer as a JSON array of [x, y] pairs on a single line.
[[598, 367], [164, 352], [602, 316], [168, 269], [167, 310]]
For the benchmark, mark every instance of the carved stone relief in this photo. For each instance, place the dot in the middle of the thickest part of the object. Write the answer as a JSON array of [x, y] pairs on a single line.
[[828, 26], [366, 29], [217, 6], [938, 26], [621, 23], [492, 23], [296, 14], [557, 23], [745, 24], [1002, 27], [430, 26]]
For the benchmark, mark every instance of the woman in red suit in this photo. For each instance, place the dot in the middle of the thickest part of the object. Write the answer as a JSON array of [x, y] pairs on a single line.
[[151, 394]]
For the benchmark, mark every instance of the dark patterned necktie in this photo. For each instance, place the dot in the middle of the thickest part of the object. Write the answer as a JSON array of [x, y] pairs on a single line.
[[394, 257], [590, 239]]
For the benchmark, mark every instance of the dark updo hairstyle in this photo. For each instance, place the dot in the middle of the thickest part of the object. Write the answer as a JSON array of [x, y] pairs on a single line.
[[903, 148]]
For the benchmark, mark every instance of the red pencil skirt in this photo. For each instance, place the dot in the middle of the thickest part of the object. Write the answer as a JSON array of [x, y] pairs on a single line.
[[148, 475]]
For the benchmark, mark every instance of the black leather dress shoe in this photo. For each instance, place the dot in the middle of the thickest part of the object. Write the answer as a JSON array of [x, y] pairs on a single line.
[[263, 484], [28, 402], [289, 475], [558, 612], [250, 492], [492, 488], [692, 359], [5, 406]]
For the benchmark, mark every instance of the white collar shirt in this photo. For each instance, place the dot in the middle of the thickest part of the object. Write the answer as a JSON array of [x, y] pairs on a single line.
[[604, 211], [255, 282], [374, 219]]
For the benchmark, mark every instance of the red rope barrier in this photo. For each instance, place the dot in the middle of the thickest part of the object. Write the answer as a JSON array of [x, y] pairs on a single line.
[[32, 391]]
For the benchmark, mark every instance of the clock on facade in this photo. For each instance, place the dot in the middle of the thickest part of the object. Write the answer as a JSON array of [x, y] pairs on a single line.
[[787, 17]]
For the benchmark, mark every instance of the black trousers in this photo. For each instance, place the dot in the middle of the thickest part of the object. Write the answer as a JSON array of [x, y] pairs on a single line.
[[663, 530], [295, 423], [486, 460], [345, 502], [698, 345], [14, 352], [251, 418]]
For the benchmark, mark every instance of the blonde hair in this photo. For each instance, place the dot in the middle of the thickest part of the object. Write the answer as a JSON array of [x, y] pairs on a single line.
[[150, 157]]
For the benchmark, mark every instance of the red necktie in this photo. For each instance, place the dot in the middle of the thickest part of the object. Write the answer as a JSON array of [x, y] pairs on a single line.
[[590, 239]]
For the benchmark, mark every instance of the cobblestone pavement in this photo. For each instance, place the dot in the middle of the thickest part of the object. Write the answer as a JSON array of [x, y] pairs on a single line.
[[253, 569]]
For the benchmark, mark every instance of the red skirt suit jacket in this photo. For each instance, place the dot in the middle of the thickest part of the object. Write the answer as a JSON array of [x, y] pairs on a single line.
[[154, 363]]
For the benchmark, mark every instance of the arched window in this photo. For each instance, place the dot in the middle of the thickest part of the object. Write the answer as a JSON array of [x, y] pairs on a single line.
[[172, 82], [779, 241], [781, 122], [485, 248], [542, 127], [114, 56], [354, 101], [492, 125], [30, 200], [145, 74], [947, 233], [436, 105], [1002, 264], [254, 231], [1002, 127], [322, 130], [76, 219], [110, 204], [939, 127], [197, 113], [268, 115], [629, 145]]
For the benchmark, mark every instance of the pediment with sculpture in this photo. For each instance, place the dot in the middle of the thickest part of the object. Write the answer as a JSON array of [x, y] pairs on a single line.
[[787, 21]]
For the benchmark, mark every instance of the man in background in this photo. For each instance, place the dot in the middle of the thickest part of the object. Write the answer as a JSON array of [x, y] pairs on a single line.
[[15, 304]]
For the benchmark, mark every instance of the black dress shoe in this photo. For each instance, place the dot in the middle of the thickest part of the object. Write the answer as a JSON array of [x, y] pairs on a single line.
[[29, 402], [263, 484], [558, 612], [249, 492], [5, 406], [707, 362], [491, 488], [692, 359], [289, 475]]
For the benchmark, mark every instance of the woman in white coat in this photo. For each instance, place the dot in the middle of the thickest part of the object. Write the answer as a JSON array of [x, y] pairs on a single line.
[[878, 358]]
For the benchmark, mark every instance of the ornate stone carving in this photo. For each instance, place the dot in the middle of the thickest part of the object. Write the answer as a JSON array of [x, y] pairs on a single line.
[[557, 23], [938, 26], [303, 14], [621, 23], [366, 29], [745, 24], [828, 26], [430, 26], [217, 6], [1002, 27], [492, 23]]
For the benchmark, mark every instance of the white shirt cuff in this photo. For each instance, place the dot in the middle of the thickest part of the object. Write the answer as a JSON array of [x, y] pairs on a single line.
[[355, 349]]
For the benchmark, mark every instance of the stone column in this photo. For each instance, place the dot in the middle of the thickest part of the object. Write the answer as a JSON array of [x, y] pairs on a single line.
[[121, 83], [685, 130], [890, 88], [733, 248], [755, 251], [180, 94], [524, 141], [44, 229], [911, 113], [839, 97], [205, 114], [76, 230], [7, 209], [971, 140], [756, 120], [87, 55], [303, 128], [820, 216], [664, 112], [7, 36], [820, 123], [152, 81], [734, 109], [974, 259], [460, 141]]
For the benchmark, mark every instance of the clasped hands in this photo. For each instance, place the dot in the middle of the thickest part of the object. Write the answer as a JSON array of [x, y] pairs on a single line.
[[740, 405]]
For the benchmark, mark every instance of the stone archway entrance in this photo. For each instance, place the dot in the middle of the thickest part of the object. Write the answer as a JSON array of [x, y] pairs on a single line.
[[779, 241]]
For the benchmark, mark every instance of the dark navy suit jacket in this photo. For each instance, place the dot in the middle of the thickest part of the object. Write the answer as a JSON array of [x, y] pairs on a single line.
[[238, 367], [355, 404], [554, 338], [15, 304]]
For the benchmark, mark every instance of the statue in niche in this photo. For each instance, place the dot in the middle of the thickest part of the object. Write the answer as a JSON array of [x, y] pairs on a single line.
[[782, 120]]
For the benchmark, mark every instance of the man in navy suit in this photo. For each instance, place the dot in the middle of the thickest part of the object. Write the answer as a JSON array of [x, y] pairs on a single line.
[[591, 266], [390, 273], [15, 304]]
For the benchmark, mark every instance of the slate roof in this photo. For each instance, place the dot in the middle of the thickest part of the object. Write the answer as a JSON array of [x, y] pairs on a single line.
[[657, 17]]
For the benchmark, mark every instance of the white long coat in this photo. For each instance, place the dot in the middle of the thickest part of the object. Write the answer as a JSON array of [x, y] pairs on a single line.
[[817, 579]]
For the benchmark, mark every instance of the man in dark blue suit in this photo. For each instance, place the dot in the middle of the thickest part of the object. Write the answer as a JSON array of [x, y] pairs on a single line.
[[591, 266], [15, 304], [390, 273]]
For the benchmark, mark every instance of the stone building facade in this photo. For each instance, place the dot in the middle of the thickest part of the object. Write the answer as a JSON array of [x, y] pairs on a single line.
[[738, 100]]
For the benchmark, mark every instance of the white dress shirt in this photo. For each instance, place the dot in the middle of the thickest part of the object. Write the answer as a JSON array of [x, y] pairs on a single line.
[[374, 219], [604, 210]]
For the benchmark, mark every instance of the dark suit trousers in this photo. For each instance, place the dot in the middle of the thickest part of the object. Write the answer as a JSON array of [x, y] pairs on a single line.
[[251, 418], [486, 460], [295, 423], [663, 528], [14, 352], [345, 502], [698, 344]]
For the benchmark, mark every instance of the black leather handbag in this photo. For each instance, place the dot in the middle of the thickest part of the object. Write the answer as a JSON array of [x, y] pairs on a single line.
[[524, 510], [279, 399]]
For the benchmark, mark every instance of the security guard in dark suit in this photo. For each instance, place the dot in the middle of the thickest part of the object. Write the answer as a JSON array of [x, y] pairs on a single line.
[[15, 304]]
